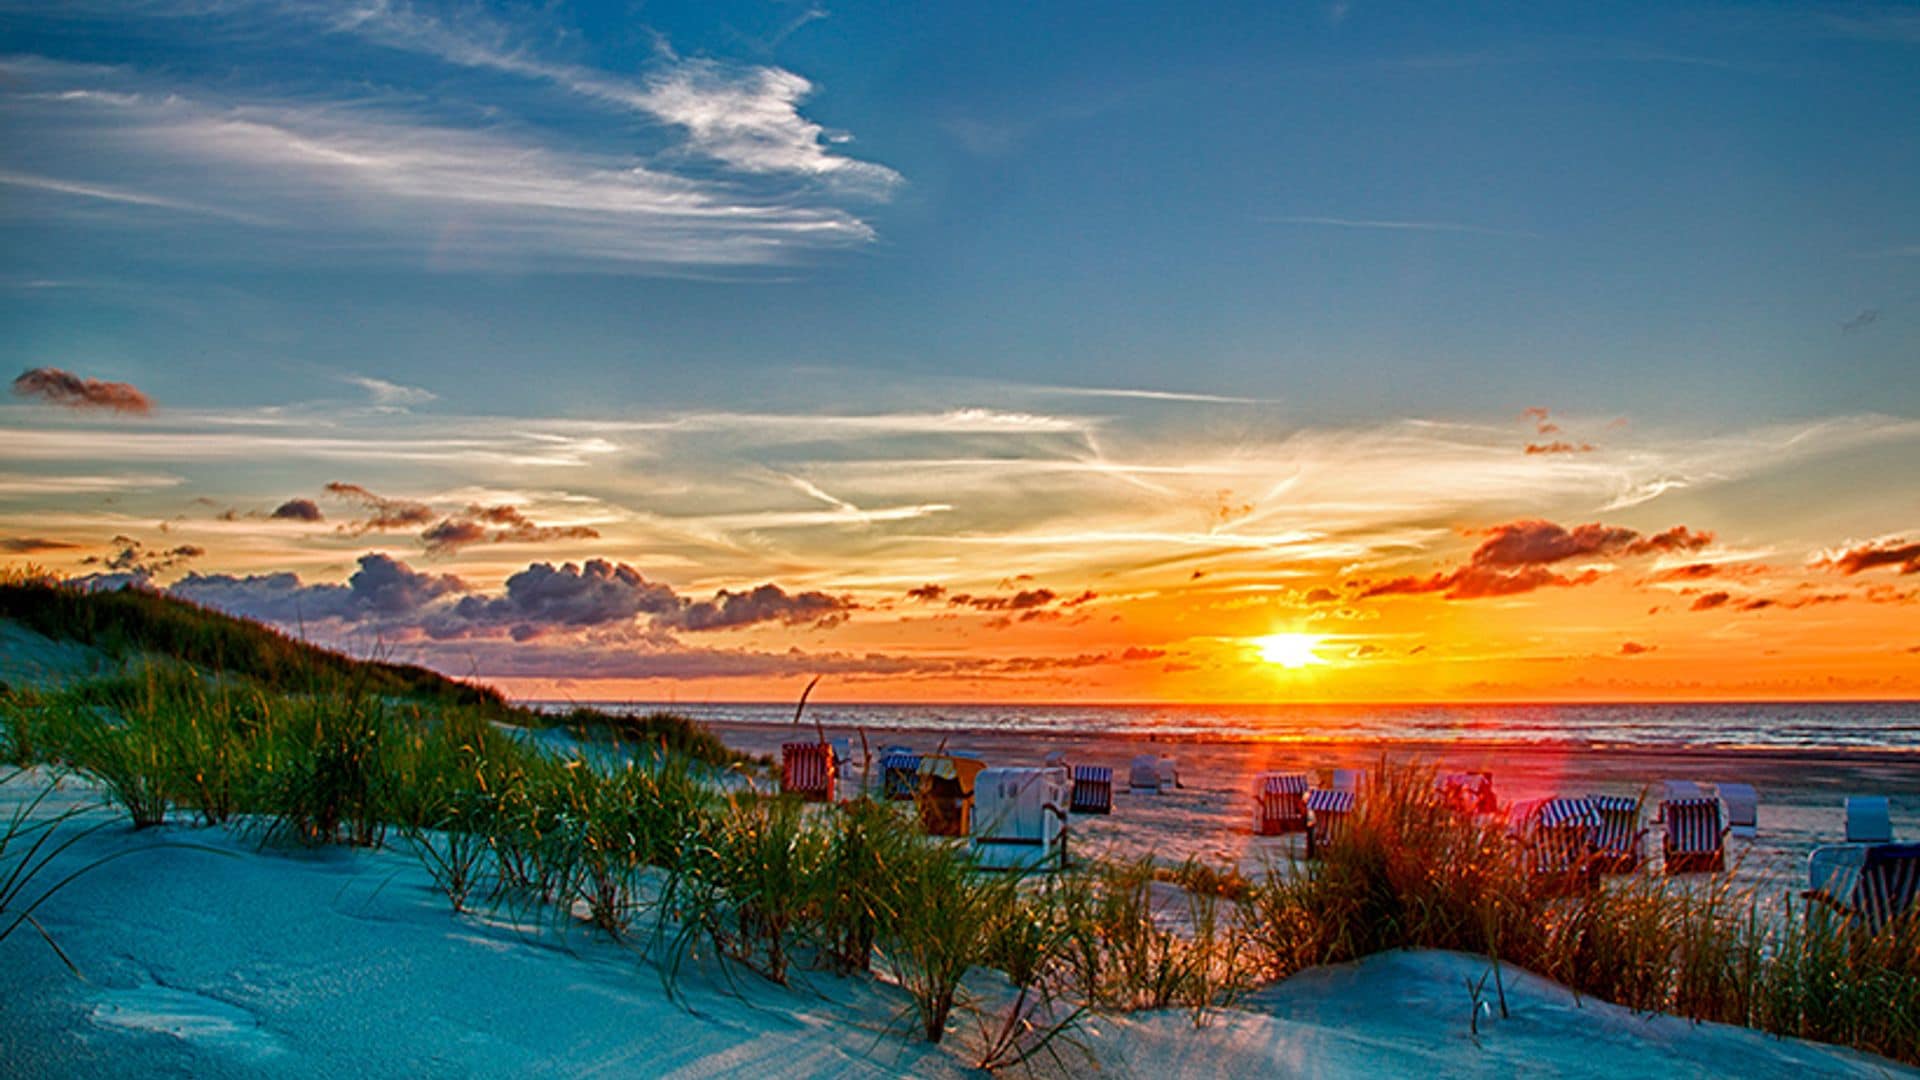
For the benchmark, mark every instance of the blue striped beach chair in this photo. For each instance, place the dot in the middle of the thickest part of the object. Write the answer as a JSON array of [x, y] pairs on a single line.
[[1092, 789], [1617, 835], [1695, 841], [1557, 841], [1328, 811], [1279, 803], [1873, 883], [899, 775]]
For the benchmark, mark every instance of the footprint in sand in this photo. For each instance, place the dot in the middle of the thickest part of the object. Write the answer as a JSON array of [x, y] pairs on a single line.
[[194, 1018]]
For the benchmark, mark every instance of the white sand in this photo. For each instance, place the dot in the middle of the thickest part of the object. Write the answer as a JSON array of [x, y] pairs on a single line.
[[223, 960]]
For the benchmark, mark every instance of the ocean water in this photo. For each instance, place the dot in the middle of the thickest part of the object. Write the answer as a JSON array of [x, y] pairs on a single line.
[[1787, 725]]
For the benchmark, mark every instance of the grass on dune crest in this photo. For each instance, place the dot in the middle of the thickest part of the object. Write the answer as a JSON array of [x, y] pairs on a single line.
[[646, 846]]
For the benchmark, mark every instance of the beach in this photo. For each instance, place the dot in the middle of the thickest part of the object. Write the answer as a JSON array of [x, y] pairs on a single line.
[[1209, 815]]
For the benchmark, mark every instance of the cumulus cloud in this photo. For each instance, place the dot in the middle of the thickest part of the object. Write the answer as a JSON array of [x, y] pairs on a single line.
[[297, 510], [381, 513], [1514, 558], [544, 598], [57, 387], [497, 525], [382, 590], [134, 557], [1856, 558], [767, 603], [927, 593]]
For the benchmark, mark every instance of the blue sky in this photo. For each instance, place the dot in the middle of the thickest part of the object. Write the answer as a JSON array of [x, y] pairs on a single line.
[[800, 292]]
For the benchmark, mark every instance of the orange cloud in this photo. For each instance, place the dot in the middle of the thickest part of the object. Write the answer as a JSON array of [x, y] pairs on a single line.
[[57, 387]]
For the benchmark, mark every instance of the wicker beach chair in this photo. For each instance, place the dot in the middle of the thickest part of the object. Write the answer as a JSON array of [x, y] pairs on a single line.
[[1743, 808], [1617, 834], [1556, 837], [945, 796], [1873, 883], [1092, 789], [1695, 840], [808, 770], [1328, 812], [899, 774], [1279, 803], [1144, 775], [1020, 818]]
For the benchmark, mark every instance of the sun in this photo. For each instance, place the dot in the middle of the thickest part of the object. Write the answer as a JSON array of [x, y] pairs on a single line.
[[1290, 650]]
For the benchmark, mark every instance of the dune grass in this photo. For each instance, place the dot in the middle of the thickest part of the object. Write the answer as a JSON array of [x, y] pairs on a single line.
[[644, 844]]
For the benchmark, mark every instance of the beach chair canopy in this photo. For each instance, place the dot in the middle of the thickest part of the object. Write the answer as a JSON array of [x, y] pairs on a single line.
[[1277, 783], [1560, 813], [950, 774], [1868, 820], [808, 768], [1325, 801], [1092, 789], [1616, 830], [1019, 803], [1742, 803], [1056, 759], [1676, 790]]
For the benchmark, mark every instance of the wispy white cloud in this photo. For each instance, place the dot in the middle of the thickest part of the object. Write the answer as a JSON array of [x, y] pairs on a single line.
[[103, 193], [391, 394]]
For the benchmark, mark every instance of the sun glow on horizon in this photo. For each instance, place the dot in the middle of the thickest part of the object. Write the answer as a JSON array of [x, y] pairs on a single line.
[[1291, 651]]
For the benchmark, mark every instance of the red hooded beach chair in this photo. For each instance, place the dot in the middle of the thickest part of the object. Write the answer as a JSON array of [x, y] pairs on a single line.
[[1279, 803], [808, 769]]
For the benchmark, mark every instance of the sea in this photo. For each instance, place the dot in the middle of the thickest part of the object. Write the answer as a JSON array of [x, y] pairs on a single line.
[[1783, 725]]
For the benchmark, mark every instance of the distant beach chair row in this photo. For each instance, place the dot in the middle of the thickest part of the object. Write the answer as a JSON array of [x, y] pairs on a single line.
[[1287, 802]]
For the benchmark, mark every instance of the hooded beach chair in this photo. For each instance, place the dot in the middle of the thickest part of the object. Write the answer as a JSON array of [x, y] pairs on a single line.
[[1328, 812], [1092, 789], [1168, 771], [1279, 803], [899, 774], [1144, 775], [1695, 841], [945, 796], [1617, 834], [1020, 818], [1869, 820], [1873, 883], [1556, 837], [1743, 809], [807, 768]]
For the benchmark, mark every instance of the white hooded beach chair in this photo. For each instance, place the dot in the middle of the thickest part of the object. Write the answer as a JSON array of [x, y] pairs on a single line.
[[1695, 840], [1328, 811], [1743, 809], [1020, 818], [1144, 775], [1617, 833], [1869, 820], [1279, 803]]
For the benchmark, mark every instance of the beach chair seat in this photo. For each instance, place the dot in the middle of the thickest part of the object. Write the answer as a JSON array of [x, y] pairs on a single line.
[[1092, 789], [1869, 820], [1742, 803], [807, 769], [1328, 812], [1279, 803], [1695, 840], [1144, 774], [899, 775], [1617, 834], [945, 795], [1557, 844], [1019, 819]]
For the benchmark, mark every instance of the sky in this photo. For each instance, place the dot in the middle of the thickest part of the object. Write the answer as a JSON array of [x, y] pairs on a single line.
[[1104, 352]]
